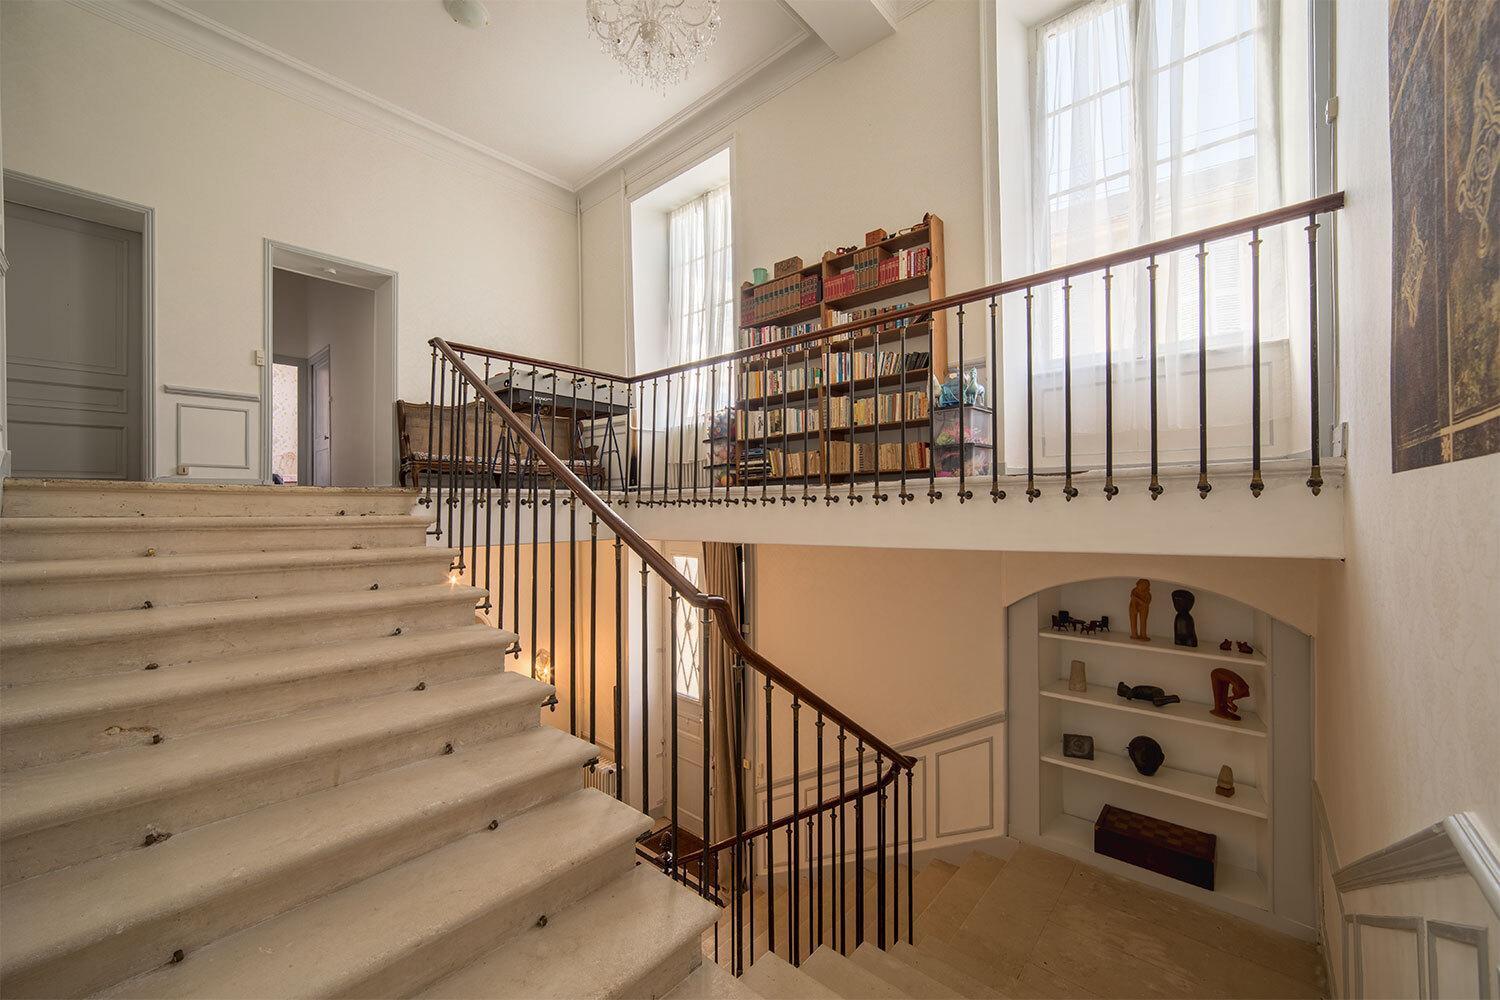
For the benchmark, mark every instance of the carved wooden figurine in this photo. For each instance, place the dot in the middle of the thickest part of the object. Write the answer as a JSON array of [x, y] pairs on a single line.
[[1228, 687], [1225, 787], [1184, 633], [1140, 608]]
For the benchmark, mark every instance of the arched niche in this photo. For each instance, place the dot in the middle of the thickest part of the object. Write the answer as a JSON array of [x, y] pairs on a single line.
[[1265, 831]]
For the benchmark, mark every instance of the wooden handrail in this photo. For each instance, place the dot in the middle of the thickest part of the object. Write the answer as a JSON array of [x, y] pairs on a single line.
[[806, 812], [718, 606], [1210, 234]]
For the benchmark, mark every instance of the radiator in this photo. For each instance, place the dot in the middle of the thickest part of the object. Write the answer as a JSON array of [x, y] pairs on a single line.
[[604, 775]]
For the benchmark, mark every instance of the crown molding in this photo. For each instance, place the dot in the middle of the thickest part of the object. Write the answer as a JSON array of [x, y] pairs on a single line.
[[792, 62], [187, 31]]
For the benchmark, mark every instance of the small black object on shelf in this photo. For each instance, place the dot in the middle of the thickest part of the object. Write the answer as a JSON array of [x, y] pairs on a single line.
[[1146, 754], [1079, 746], [1146, 692]]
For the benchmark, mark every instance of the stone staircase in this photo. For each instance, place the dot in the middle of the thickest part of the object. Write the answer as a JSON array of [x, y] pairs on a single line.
[[253, 742]]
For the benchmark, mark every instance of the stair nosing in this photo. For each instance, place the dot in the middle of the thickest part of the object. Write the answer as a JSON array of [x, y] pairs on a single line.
[[205, 522], [104, 626], [218, 838], [40, 572], [96, 694], [58, 807]]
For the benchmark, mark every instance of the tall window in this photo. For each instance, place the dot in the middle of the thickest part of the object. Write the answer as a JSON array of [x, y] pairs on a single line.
[[1153, 118], [701, 279]]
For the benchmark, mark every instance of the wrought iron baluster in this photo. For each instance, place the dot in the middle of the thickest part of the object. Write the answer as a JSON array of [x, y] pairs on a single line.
[[713, 434], [646, 691], [859, 844], [435, 461], [996, 493], [933, 493], [793, 880], [488, 466], [593, 627], [705, 693], [911, 906], [671, 694], [880, 830], [765, 429], [1069, 491], [1032, 493], [574, 440], [633, 406], [1315, 439], [1203, 485], [901, 493], [1256, 483], [741, 870], [1110, 489], [419, 470], [822, 887], [828, 441], [681, 430], [964, 493], [807, 412], [452, 449], [504, 473], [770, 843], [465, 469], [619, 733], [786, 448], [1156, 487], [875, 494], [655, 433], [742, 433], [843, 872], [536, 528]]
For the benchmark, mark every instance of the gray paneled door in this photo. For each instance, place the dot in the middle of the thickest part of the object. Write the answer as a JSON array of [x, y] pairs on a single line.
[[73, 351]]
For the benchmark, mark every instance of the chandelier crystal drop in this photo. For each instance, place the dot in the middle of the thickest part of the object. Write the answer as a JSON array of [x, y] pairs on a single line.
[[657, 41]]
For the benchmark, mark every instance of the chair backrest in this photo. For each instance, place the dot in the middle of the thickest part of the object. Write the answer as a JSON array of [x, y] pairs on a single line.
[[413, 421]]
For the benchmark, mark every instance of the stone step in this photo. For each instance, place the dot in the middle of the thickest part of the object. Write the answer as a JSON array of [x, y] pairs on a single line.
[[846, 978], [82, 928], [31, 590], [48, 722], [907, 980], [774, 978], [101, 498], [65, 813], [711, 981], [396, 932], [935, 968], [635, 937], [87, 644], [30, 538]]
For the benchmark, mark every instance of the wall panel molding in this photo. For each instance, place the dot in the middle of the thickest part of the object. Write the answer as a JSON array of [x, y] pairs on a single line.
[[188, 390]]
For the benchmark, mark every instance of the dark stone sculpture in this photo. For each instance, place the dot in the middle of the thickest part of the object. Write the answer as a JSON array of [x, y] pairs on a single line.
[[1184, 633], [1078, 745], [1228, 688], [1146, 754], [1146, 692]]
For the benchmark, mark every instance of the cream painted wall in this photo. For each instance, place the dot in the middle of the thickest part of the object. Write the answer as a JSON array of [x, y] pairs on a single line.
[[227, 163], [1408, 686], [605, 294]]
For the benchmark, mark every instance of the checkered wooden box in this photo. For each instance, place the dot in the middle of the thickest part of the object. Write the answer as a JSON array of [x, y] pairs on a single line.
[[1179, 852]]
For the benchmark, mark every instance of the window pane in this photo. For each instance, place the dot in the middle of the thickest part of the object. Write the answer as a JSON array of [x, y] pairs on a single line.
[[686, 634]]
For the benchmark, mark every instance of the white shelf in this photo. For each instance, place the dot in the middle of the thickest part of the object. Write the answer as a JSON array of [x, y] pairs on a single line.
[[1247, 799], [1191, 712], [1075, 837], [1158, 644]]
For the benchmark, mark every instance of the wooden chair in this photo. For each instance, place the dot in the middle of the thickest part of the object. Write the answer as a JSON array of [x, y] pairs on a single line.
[[414, 429]]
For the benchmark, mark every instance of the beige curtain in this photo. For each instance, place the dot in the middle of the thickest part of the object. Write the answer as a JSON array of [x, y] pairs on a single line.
[[721, 577]]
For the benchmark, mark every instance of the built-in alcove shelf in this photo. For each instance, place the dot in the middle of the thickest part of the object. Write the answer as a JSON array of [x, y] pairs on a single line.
[[1263, 859], [1190, 712], [1159, 645], [1247, 799]]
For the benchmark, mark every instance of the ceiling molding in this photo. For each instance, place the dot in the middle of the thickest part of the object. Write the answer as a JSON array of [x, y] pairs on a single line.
[[752, 97], [189, 32]]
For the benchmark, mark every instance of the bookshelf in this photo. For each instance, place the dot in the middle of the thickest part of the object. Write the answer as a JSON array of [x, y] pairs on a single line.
[[844, 411], [1264, 862]]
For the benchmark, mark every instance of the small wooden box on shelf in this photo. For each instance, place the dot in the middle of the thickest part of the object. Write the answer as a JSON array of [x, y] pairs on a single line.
[[830, 411]]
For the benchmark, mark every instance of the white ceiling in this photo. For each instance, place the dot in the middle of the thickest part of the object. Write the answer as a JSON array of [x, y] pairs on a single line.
[[533, 85]]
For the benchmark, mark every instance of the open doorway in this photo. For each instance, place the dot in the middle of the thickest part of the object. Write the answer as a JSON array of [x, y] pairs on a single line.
[[78, 333], [331, 339]]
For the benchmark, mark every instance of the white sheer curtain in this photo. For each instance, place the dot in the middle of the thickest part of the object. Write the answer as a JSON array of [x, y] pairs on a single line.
[[1152, 118], [700, 319]]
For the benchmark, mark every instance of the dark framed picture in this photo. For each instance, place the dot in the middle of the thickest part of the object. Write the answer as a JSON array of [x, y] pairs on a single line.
[[1078, 745]]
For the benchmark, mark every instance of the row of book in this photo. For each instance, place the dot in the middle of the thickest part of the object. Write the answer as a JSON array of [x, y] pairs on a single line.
[[863, 364], [865, 408], [778, 297], [840, 317], [763, 423], [774, 381], [795, 464], [863, 456], [755, 336], [875, 266]]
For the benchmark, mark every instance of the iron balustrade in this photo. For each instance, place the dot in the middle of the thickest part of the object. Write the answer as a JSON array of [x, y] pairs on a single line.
[[511, 436], [765, 399]]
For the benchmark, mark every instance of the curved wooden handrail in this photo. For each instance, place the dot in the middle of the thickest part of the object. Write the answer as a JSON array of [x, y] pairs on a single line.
[[1209, 234], [806, 812], [718, 606]]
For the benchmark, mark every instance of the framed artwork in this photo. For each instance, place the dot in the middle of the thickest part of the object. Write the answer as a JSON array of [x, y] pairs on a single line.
[[1445, 302]]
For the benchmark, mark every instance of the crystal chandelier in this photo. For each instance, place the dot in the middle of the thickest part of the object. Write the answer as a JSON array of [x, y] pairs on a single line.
[[657, 41]]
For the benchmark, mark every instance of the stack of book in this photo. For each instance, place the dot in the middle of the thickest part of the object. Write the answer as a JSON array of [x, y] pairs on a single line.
[[840, 317], [772, 380], [795, 464], [754, 464], [779, 296], [910, 263], [764, 423], [864, 409], [864, 455]]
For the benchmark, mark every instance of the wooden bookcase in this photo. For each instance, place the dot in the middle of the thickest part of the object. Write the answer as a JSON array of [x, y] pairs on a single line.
[[765, 382]]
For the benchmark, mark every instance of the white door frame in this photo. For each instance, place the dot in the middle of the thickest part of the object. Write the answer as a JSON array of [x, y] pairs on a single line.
[[323, 359], [50, 196], [384, 283]]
